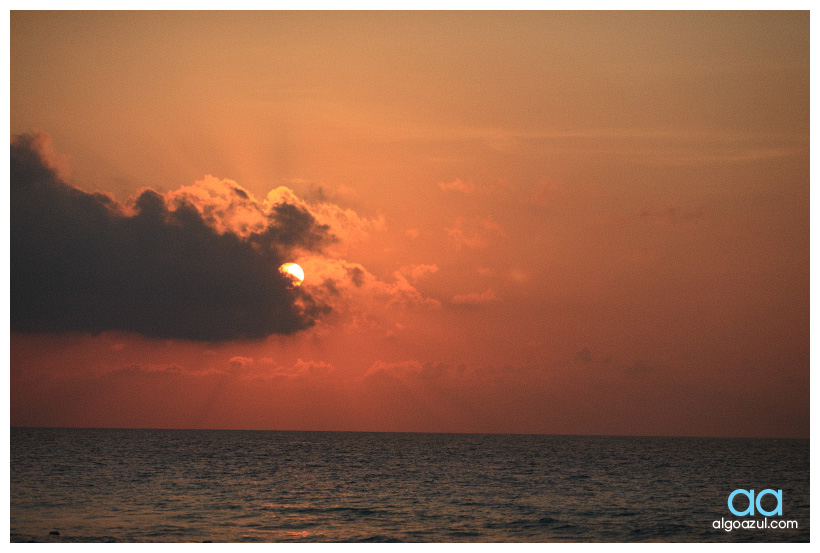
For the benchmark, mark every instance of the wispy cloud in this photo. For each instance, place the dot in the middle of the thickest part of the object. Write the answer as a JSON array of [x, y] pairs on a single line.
[[458, 185], [474, 233], [416, 272], [475, 298]]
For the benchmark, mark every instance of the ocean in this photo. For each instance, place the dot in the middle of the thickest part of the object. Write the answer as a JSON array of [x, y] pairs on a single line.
[[111, 485]]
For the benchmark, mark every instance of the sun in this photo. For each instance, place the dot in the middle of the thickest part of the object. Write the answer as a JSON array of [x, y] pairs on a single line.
[[294, 272]]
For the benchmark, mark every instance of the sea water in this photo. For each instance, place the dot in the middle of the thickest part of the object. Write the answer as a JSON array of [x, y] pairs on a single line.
[[92, 485]]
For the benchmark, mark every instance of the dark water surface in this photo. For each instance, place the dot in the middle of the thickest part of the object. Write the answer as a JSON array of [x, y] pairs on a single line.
[[234, 486]]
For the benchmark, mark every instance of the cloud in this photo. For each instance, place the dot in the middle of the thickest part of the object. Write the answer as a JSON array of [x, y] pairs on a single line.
[[475, 233], [239, 363], [311, 368], [344, 224], [350, 286], [198, 264], [416, 272], [603, 365], [223, 204], [458, 185], [584, 356], [488, 296], [228, 207], [305, 370], [639, 369], [135, 369], [482, 186], [407, 369], [401, 292], [40, 142]]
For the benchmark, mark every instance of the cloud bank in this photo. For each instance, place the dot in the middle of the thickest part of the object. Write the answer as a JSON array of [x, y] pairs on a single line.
[[174, 266]]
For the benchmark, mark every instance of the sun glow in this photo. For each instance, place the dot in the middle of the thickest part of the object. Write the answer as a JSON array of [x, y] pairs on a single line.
[[294, 272]]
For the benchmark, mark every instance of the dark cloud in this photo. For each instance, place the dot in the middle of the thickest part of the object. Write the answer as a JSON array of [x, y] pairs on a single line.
[[331, 287], [356, 275], [584, 356], [639, 369], [83, 262]]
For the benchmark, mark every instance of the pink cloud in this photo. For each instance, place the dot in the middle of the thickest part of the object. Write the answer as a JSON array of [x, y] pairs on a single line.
[[458, 185], [475, 233], [419, 271], [488, 296], [43, 145], [239, 363], [409, 369], [229, 207], [350, 286]]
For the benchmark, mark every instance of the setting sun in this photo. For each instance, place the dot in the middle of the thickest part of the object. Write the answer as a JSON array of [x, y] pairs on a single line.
[[294, 271]]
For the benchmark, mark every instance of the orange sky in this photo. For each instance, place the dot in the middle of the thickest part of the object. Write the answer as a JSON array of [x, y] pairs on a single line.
[[550, 222]]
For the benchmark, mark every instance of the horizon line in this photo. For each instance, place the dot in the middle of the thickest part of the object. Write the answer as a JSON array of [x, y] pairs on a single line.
[[12, 427]]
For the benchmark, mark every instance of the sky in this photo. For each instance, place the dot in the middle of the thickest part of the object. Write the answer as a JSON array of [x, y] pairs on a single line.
[[517, 222]]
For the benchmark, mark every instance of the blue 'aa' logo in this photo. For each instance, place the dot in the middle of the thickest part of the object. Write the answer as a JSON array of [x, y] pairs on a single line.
[[750, 510]]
